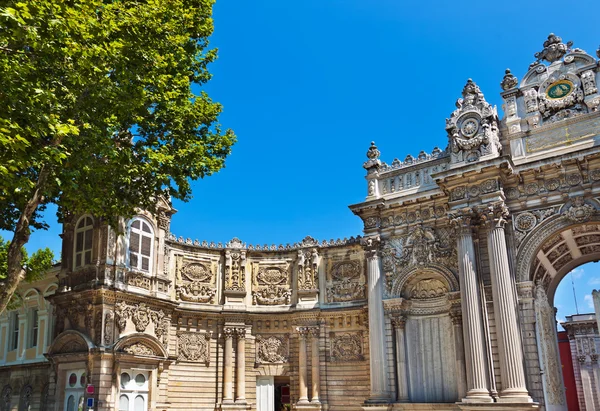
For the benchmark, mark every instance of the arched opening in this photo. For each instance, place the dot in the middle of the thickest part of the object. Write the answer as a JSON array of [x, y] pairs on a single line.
[[558, 254]]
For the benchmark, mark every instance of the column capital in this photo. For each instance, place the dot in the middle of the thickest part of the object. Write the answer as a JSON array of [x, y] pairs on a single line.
[[230, 332], [456, 317], [371, 246], [462, 220], [494, 215], [398, 320], [308, 331]]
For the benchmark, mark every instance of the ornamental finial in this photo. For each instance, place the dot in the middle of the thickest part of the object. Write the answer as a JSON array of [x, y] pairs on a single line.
[[509, 81], [554, 49], [373, 155]]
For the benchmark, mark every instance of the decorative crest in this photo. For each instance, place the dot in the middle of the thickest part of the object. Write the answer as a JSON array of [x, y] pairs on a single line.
[[509, 81], [554, 49], [235, 243], [373, 155], [308, 241]]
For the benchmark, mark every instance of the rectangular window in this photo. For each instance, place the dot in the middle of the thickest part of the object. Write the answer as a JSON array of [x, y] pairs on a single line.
[[14, 341], [33, 327]]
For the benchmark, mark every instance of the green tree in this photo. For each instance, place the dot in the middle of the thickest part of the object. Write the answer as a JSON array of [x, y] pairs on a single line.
[[35, 267], [98, 112]]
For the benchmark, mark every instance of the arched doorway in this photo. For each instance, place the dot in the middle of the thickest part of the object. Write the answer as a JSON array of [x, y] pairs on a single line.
[[545, 256]]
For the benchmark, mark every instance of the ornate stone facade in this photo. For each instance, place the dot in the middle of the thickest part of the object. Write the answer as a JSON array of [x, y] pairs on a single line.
[[419, 310]]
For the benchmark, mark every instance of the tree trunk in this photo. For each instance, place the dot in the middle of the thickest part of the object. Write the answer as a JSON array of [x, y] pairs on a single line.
[[16, 272]]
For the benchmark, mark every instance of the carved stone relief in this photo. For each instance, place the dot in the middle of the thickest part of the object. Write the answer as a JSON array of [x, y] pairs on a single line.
[[419, 248], [272, 349], [346, 281], [6, 398], [473, 127], [271, 284], [579, 211], [525, 222], [139, 348], [141, 315], [347, 347], [196, 282], [308, 261], [235, 270], [194, 347]]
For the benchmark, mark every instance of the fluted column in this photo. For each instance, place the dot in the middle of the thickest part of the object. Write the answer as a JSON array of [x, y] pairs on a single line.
[[240, 369], [510, 350], [228, 366], [399, 322], [302, 368], [477, 389], [460, 354], [315, 365], [379, 392]]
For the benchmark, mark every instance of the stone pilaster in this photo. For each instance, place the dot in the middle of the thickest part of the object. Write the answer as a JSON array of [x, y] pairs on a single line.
[[315, 366], [399, 323], [240, 370], [302, 367], [228, 365], [510, 350], [477, 389], [379, 392]]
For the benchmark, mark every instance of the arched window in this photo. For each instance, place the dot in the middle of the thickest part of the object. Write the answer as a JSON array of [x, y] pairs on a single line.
[[83, 241], [140, 245]]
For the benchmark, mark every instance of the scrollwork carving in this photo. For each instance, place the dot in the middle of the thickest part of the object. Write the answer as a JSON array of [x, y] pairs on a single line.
[[307, 269], [579, 211], [139, 349], [347, 282]]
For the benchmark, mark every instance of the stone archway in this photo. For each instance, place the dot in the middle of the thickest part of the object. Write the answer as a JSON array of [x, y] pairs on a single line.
[[547, 254]]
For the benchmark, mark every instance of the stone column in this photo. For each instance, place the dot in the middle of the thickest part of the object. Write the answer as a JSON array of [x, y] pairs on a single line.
[[302, 369], [461, 388], [315, 365], [228, 366], [477, 389], [379, 392], [510, 350], [552, 380], [399, 322], [240, 369], [596, 371]]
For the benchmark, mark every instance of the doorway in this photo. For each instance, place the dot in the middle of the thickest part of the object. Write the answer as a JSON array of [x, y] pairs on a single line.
[[273, 393]]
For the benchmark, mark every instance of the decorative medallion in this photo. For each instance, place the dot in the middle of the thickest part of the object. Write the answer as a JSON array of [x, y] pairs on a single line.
[[525, 221], [193, 347], [347, 347], [272, 349], [469, 127], [559, 89]]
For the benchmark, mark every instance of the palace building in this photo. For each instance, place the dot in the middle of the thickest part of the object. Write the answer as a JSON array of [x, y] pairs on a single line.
[[444, 302]]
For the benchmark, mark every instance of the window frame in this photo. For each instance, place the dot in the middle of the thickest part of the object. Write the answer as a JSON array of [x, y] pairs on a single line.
[[83, 229], [141, 233], [132, 389], [34, 327], [14, 331]]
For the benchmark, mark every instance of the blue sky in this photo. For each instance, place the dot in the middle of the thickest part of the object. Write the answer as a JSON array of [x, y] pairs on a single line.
[[307, 85]]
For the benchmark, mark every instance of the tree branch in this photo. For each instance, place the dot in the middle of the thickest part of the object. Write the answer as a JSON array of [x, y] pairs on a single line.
[[16, 272]]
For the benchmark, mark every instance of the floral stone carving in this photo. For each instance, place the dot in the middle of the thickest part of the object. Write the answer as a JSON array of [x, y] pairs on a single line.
[[347, 347], [193, 347], [235, 270], [273, 349]]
